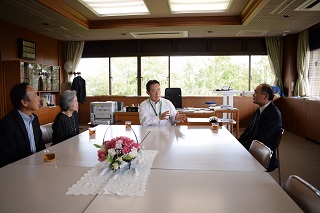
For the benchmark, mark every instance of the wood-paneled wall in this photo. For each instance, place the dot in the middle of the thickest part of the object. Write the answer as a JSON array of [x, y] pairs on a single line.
[[49, 51]]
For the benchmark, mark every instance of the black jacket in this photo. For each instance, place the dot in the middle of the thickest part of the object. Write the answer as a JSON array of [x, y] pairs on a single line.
[[14, 140], [79, 84], [265, 128], [65, 127]]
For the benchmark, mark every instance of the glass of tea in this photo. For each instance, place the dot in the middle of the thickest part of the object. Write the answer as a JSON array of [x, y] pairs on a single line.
[[128, 125], [49, 155], [215, 126], [92, 130]]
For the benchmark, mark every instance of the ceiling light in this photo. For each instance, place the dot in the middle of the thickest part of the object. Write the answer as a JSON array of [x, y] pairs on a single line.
[[116, 7], [198, 6]]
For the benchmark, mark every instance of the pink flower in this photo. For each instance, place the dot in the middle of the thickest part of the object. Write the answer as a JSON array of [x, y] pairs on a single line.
[[136, 145], [101, 156], [110, 144], [126, 150]]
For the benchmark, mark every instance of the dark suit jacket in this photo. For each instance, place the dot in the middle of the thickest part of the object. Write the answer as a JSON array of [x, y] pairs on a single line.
[[79, 84], [14, 141], [264, 128]]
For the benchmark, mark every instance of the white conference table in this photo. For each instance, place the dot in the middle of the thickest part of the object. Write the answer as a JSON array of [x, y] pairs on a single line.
[[80, 151], [196, 169], [39, 188], [190, 191], [199, 148]]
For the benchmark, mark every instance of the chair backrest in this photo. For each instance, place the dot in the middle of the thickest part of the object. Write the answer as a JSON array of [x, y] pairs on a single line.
[[174, 95], [280, 136], [261, 153], [303, 193], [46, 130]]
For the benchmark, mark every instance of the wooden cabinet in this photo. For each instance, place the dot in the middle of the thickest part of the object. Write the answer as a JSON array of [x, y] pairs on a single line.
[[44, 78], [121, 117], [301, 117], [47, 114], [313, 118]]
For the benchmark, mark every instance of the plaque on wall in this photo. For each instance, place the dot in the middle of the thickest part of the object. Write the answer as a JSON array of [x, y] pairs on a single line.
[[26, 49]]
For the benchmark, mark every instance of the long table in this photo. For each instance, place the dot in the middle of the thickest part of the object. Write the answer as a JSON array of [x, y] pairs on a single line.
[[196, 169]]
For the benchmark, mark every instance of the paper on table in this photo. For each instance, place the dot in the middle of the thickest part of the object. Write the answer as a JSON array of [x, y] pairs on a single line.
[[102, 180]]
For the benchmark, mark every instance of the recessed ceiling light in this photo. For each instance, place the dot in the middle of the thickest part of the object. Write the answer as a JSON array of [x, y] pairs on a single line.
[[116, 8], [198, 6]]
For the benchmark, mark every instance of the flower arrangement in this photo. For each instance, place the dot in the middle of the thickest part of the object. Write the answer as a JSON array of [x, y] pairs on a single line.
[[118, 151]]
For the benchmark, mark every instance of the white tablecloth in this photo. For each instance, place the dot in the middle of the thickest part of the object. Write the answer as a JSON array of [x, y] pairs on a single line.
[[102, 180]]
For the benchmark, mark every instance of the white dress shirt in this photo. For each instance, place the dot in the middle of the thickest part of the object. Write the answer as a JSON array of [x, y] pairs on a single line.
[[28, 123], [149, 112]]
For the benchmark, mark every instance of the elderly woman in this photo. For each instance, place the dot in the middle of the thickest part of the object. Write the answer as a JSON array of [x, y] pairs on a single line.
[[66, 123]]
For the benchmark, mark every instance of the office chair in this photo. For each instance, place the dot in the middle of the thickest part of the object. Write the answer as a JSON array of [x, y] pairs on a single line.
[[46, 130], [174, 95], [306, 196], [277, 153], [261, 153]]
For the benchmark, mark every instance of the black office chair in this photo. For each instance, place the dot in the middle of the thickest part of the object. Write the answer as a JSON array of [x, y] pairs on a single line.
[[174, 95]]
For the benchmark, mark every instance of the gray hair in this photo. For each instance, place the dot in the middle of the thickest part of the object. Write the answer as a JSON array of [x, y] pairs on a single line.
[[66, 99]]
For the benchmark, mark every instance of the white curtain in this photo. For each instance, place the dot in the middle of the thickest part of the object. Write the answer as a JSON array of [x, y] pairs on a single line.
[[275, 56], [303, 57], [74, 51]]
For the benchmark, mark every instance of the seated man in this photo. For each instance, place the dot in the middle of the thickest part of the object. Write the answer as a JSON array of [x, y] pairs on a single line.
[[20, 132], [265, 124], [157, 111]]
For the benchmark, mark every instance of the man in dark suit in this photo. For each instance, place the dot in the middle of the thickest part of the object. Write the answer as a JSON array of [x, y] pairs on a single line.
[[20, 134], [265, 124]]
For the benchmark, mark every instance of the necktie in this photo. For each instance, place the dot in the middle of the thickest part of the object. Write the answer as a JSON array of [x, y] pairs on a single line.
[[257, 114]]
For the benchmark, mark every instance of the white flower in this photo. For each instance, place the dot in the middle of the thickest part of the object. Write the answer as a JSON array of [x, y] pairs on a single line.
[[115, 166], [133, 153], [111, 152], [119, 159]]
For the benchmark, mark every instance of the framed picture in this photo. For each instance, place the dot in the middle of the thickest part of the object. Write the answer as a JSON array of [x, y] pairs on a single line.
[[26, 49]]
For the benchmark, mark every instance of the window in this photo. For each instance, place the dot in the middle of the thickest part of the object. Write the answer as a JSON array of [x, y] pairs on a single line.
[[195, 75], [260, 71], [154, 68], [96, 73], [124, 76], [314, 73]]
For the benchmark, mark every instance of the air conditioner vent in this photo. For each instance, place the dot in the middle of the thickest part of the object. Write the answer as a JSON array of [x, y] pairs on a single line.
[[250, 33], [282, 6], [311, 5], [160, 34]]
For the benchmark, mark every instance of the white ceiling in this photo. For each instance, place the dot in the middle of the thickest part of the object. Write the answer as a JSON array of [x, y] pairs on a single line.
[[69, 20]]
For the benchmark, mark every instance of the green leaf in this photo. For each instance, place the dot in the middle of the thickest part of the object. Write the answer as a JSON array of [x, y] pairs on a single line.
[[109, 159], [97, 146], [127, 158]]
